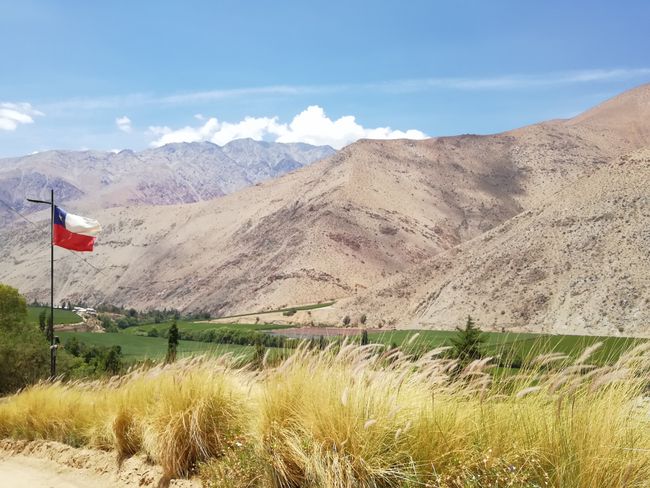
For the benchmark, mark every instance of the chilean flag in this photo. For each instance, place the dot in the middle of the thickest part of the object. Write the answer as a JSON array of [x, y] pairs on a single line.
[[73, 231]]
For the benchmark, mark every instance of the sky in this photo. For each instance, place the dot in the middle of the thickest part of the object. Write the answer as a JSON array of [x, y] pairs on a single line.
[[138, 74]]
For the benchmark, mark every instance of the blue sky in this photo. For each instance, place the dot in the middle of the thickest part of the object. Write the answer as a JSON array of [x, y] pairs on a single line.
[[113, 75]]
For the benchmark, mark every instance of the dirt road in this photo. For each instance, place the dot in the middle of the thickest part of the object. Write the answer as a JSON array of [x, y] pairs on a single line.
[[25, 472], [44, 464]]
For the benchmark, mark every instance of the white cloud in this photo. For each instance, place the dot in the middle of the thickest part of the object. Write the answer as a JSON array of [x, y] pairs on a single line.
[[14, 114], [312, 126], [124, 124]]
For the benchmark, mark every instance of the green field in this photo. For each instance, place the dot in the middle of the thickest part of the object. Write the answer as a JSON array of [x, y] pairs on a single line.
[[201, 326], [136, 347], [523, 345], [60, 316]]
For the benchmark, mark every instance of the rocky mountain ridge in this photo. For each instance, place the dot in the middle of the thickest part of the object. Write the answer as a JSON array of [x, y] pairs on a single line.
[[406, 232], [171, 174]]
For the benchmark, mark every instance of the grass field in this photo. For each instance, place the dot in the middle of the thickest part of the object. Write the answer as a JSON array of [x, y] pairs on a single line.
[[135, 345], [136, 348], [356, 418], [523, 345], [60, 316], [201, 326]]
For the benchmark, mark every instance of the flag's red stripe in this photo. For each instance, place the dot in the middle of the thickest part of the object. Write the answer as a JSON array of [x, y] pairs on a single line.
[[75, 242]]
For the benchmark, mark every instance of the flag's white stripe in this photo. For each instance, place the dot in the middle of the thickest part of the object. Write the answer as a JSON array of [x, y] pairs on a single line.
[[82, 225]]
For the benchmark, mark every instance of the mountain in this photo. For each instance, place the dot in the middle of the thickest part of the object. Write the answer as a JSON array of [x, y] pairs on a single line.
[[171, 174], [576, 263], [349, 227]]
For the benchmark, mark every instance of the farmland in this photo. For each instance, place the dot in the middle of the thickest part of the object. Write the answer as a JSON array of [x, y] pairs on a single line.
[[185, 325], [138, 348], [136, 344], [522, 345], [60, 316]]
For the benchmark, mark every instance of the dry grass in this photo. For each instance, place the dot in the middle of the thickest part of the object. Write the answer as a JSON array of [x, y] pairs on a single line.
[[361, 417]]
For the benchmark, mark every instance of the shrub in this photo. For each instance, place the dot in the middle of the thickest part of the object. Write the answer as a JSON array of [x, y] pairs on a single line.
[[360, 416], [24, 351]]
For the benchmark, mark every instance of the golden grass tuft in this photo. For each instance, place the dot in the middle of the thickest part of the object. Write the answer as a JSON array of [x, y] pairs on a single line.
[[360, 416]]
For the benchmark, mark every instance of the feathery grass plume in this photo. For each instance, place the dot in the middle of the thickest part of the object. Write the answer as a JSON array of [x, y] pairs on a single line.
[[528, 391], [551, 357], [345, 416], [586, 354]]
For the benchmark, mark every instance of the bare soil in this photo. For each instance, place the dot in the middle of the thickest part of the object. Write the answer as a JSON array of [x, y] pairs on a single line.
[[45, 464]]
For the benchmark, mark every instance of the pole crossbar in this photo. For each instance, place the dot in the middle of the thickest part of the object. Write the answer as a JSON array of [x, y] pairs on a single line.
[[39, 201]]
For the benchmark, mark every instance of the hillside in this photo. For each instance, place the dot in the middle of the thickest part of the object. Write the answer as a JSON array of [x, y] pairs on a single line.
[[377, 210], [171, 174], [572, 264]]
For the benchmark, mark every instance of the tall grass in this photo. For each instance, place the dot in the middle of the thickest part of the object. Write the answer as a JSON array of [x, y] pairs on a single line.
[[361, 416]]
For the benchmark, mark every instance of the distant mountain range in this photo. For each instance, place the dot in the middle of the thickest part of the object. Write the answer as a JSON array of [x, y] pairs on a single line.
[[171, 174], [541, 228]]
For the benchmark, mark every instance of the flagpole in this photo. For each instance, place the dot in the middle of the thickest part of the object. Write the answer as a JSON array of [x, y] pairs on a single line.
[[51, 324]]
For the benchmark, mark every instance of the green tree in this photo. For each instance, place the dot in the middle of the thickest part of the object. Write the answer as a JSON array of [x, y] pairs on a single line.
[[73, 346], [50, 328], [364, 338], [172, 343], [468, 341], [13, 308], [24, 353], [362, 319], [42, 320], [112, 360], [258, 356], [346, 320]]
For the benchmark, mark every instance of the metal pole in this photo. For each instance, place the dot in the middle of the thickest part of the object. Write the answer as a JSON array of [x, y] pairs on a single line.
[[51, 324]]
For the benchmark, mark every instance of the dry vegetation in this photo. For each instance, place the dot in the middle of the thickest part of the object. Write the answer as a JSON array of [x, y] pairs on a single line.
[[360, 416]]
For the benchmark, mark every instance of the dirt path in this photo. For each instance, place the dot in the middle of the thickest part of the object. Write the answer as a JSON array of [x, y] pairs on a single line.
[[44, 464], [25, 472]]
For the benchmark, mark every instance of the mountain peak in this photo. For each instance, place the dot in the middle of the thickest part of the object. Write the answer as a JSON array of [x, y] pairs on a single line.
[[625, 115]]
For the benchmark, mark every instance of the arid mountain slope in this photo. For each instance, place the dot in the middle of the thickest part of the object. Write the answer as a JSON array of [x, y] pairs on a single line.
[[577, 263], [626, 116], [375, 210]]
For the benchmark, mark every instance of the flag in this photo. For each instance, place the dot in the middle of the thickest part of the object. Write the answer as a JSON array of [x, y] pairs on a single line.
[[73, 231]]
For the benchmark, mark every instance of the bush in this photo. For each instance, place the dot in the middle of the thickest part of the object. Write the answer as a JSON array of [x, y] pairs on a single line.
[[289, 313], [95, 361], [24, 351], [348, 418], [232, 335]]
